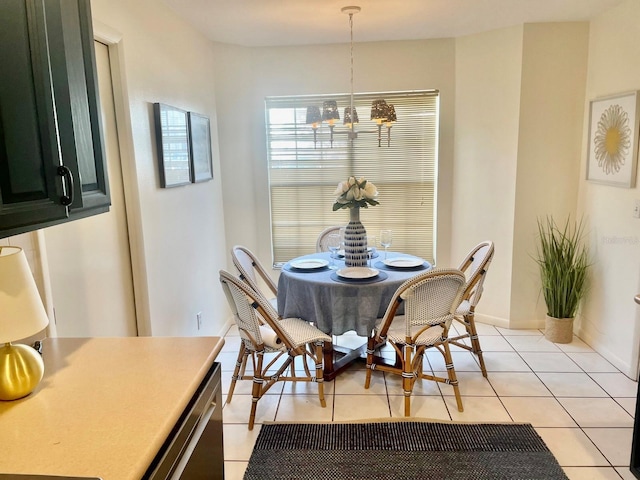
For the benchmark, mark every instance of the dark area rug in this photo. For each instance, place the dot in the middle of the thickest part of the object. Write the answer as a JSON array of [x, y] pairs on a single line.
[[401, 450]]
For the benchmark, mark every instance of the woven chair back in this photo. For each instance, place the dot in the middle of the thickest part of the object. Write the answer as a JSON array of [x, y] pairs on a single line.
[[476, 292], [250, 269], [245, 303], [433, 299], [475, 266], [323, 238]]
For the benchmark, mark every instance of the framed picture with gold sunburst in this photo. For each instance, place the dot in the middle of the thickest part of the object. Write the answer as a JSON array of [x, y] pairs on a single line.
[[613, 140]]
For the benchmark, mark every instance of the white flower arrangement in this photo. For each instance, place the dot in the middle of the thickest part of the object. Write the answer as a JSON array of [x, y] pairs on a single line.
[[354, 193]]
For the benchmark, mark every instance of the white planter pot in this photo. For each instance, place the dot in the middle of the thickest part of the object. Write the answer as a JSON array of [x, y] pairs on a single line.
[[558, 330]]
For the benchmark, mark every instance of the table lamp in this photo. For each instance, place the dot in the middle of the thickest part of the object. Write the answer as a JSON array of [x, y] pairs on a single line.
[[21, 315]]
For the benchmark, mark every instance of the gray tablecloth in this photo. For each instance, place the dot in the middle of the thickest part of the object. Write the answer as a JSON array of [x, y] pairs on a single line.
[[338, 307]]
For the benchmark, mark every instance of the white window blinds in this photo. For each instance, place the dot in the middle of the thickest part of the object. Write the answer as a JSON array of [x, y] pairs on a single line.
[[303, 177]]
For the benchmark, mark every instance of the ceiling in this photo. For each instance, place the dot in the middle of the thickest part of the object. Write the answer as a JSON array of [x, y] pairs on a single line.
[[255, 23]]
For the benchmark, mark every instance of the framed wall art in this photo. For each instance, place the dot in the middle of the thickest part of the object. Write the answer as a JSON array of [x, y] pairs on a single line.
[[200, 134], [172, 141], [612, 153]]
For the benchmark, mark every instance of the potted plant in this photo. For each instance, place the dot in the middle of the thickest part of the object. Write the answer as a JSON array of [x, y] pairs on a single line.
[[563, 261]]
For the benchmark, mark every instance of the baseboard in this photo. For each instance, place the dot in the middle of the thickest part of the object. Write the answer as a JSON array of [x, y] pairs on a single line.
[[609, 355], [532, 324], [225, 327], [489, 320]]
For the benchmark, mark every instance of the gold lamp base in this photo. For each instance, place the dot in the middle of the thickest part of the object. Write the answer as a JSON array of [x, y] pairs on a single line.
[[21, 369]]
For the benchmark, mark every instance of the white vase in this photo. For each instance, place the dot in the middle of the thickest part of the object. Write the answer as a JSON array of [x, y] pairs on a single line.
[[355, 241]]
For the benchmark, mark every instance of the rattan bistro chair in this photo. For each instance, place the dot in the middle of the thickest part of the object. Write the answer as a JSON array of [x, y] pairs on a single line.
[[475, 267], [430, 300], [262, 331], [252, 272], [323, 237]]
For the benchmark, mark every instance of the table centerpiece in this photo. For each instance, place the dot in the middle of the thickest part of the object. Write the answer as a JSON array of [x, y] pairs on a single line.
[[355, 194]]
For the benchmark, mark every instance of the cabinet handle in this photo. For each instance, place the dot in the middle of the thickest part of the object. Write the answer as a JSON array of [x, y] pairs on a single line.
[[191, 446], [68, 183]]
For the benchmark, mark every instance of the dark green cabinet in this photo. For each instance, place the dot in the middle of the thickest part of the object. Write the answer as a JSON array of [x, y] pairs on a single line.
[[52, 163]]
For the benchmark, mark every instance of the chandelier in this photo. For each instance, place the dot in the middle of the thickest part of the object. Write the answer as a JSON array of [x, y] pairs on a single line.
[[382, 113]]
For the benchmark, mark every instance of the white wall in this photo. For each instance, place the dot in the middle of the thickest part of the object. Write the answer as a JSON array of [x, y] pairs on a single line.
[[488, 79], [519, 102], [554, 66], [520, 149], [244, 77], [167, 61], [238, 128], [610, 319]]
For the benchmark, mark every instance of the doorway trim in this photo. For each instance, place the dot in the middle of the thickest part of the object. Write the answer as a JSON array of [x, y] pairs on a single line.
[[114, 41]]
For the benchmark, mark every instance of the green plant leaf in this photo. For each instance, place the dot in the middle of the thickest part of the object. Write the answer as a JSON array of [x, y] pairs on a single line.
[[563, 260]]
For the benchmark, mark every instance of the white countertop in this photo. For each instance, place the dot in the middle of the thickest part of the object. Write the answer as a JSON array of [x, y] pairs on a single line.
[[104, 406]]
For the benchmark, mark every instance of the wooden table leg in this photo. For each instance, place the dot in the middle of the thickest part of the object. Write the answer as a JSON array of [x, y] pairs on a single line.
[[337, 359], [327, 352]]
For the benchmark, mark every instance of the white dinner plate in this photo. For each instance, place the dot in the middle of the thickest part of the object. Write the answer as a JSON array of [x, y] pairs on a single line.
[[403, 262], [357, 272], [309, 264]]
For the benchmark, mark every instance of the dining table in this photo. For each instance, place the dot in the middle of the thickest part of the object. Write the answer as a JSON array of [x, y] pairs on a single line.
[[338, 299]]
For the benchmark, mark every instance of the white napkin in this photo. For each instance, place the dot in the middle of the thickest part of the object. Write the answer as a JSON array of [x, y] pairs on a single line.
[[269, 337]]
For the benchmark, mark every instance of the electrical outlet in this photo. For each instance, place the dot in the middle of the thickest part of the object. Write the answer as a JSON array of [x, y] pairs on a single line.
[[199, 319], [636, 210]]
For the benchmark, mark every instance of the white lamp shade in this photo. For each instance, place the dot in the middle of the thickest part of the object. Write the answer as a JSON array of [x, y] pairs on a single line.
[[21, 311]]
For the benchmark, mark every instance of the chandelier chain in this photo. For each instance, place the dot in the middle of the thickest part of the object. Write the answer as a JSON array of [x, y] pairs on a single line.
[[351, 55]]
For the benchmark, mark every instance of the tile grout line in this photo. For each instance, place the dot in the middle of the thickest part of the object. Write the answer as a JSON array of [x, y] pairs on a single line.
[[441, 395]]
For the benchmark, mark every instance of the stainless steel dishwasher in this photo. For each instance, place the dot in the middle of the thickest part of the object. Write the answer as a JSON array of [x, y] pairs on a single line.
[[194, 449]]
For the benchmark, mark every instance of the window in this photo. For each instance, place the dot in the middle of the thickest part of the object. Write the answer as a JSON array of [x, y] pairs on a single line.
[[303, 176]]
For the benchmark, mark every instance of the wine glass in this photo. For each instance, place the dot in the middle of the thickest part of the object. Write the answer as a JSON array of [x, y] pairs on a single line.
[[371, 248], [333, 243], [386, 237]]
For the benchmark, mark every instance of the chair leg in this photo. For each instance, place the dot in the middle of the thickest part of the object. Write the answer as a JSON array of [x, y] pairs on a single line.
[[243, 369], [240, 362], [320, 373], [370, 348], [256, 391], [475, 341], [407, 379], [453, 380]]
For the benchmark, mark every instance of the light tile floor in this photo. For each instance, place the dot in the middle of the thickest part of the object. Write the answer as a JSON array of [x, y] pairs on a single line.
[[579, 403]]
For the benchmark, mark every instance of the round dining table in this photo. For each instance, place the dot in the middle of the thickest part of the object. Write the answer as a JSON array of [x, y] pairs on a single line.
[[335, 302]]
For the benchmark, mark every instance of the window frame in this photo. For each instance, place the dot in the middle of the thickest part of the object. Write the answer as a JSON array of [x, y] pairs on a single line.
[[334, 163]]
